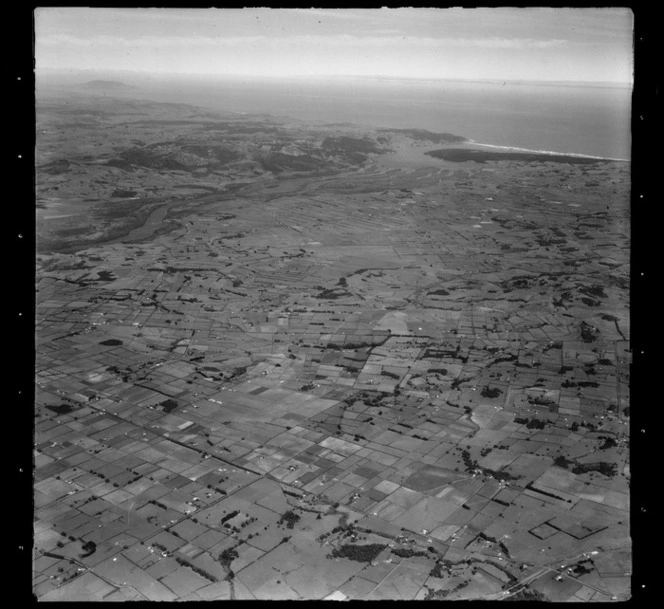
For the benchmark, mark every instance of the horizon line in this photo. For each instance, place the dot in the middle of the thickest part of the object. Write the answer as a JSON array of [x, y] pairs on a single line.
[[157, 75]]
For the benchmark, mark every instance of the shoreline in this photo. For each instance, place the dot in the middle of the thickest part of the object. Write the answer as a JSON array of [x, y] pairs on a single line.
[[542, 152], [481, 153]]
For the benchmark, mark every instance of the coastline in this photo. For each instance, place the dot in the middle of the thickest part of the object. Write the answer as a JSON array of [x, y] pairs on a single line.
[[480, 145], [410, 156]]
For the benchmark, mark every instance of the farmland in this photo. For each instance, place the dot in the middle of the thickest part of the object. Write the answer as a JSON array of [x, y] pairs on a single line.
[[275, 362]]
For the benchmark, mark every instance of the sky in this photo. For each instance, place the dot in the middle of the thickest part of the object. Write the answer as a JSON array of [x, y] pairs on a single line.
[[591, 45]]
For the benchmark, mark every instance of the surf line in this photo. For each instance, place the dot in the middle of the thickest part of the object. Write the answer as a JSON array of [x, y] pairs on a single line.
[[543, 152]]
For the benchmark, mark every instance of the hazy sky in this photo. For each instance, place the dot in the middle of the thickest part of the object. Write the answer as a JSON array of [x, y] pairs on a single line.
[[532, 44]]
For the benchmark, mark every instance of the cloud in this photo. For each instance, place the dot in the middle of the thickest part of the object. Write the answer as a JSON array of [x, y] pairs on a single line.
[[381, 32], [342, 14], [508, 43], [152, 42], [299, 41]]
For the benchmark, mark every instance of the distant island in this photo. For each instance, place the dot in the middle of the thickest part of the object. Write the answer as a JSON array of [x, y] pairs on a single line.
[[107, 85]]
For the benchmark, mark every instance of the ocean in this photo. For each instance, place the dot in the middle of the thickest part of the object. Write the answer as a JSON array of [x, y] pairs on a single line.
[[588, 120]]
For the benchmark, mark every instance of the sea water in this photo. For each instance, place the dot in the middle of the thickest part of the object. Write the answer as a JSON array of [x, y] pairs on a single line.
[[582, 119], [587, 119]]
